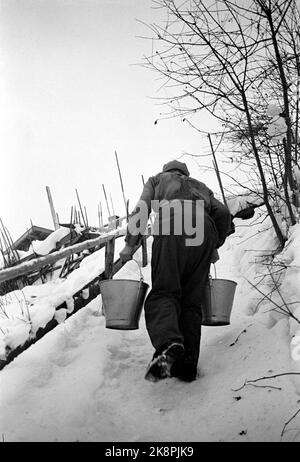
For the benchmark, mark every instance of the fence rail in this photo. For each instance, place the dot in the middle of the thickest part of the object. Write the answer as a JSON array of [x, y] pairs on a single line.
[[36, 264]]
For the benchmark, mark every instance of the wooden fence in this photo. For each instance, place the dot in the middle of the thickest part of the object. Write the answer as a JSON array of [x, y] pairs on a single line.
[[36, 264]]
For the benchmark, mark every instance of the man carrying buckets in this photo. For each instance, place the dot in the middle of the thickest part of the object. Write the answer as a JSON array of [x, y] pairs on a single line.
[[181, 258]]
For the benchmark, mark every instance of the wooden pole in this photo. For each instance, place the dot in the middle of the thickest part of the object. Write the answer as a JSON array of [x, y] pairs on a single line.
[[71, 218], [12, 245], [144, 251], [121, 181], [109, 258], [81, 211], [86, 217], [10, 248], [6, 247], [112, 205], [6, 239], [76, 216], [101, 214], [52, 209], [107, 205], [99, 219], [30, 240], [3, 254], [215, 164]]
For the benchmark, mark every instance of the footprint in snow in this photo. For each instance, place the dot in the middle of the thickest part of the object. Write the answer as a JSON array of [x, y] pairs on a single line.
[[43, 377], [118, 352], [64, 359]]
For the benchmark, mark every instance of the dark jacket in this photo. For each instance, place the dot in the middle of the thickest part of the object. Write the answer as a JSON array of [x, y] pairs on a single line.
[[169, 186]]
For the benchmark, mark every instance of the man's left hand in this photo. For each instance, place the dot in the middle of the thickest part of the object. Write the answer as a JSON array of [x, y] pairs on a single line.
[[215, 256]]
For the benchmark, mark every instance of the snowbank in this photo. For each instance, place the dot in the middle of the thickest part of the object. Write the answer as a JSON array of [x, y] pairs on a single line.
[[253, 262], [289, 260]]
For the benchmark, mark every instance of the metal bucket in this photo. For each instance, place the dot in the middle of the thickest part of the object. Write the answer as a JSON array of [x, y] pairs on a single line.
[[218, 301], [123, 301]]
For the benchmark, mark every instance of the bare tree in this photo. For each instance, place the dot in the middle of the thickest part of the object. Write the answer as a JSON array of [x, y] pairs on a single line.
[[233, 61]]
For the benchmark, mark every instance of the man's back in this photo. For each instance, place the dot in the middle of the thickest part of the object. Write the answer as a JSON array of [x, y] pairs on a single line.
[[175, 185]]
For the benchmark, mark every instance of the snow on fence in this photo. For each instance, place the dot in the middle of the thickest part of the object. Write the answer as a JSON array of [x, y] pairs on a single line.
[[38, 263]]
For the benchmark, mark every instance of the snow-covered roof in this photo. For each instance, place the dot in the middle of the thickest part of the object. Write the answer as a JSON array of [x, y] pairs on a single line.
[[34, 233]]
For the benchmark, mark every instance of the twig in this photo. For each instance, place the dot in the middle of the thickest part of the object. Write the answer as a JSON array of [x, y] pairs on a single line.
[[250, 382], [286, 312], [2, 331], [27, 307], [4, 311], [289, 421], [243, 332], [264, 386]]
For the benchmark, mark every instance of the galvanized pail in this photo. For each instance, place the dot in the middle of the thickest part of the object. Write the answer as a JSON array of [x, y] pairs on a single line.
[[123, 301], [218, 301]]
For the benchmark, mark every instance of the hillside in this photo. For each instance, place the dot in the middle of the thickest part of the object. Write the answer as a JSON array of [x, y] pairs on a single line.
[[83, 382]]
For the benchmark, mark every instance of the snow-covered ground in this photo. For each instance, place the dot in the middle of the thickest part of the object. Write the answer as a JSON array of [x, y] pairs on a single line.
[[83, 382]]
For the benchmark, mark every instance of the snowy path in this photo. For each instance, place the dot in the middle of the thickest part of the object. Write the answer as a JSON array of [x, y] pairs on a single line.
[[83, 382]]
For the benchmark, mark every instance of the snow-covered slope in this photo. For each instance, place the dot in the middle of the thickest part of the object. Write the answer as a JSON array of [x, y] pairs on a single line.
[[83, 382]]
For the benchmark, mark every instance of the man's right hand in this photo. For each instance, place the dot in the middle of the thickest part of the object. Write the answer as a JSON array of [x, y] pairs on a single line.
[[126, 253]]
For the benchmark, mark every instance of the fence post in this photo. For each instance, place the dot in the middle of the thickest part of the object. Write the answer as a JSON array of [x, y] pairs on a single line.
[[109, 258], [144, 251]]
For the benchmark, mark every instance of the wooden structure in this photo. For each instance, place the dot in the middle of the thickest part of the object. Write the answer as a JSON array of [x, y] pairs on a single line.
[[54, 215], [34, 233]]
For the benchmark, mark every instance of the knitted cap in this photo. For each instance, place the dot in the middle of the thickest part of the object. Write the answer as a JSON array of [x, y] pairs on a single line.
[[176, 165]]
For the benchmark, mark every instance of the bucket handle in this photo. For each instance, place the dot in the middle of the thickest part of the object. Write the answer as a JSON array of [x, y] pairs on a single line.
[[140, 270], [215, 270], [210, 276]]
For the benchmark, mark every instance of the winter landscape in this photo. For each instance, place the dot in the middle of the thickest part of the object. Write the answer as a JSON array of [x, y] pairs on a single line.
[[83, 382], [65, 376]]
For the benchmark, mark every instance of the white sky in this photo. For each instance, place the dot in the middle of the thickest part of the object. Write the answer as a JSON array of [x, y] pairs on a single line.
[[70, 97]]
